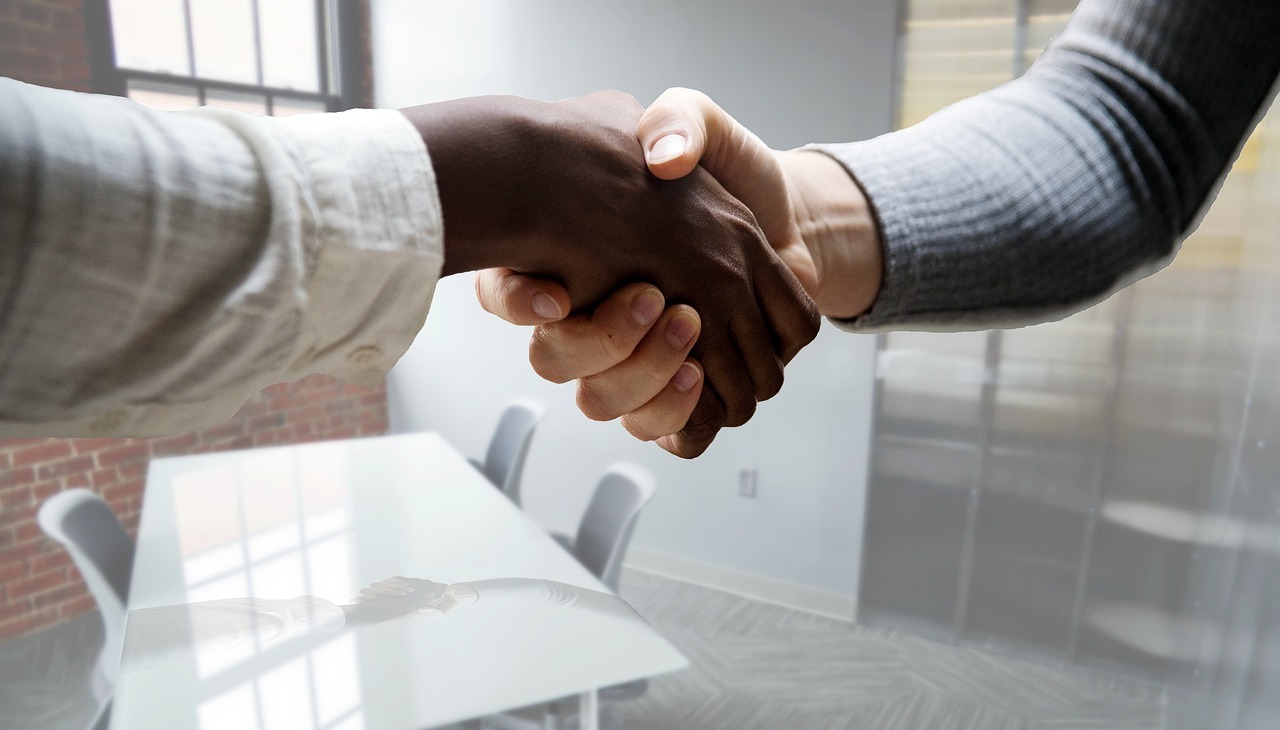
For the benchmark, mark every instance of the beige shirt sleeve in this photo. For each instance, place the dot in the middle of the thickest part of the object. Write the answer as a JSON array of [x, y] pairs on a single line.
[[157, 269]]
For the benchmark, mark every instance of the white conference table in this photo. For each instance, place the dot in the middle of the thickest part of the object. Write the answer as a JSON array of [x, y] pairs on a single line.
[[245, 558]]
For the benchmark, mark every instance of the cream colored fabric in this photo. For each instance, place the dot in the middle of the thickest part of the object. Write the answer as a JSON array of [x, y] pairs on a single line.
[[157, 269]]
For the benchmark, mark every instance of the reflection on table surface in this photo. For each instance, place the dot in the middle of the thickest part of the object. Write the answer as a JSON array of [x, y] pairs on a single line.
[[222, 626], [241, 610]]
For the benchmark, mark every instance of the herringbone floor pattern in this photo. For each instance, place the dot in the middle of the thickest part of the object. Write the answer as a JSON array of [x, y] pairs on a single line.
[[754, 665]]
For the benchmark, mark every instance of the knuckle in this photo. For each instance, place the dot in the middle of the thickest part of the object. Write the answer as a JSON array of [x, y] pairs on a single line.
[[543, 358], [509, 290], [771, 382], [548, 372], [657, 377], [690, 449], [639, 429], [797, 337], [613, 349], [739, 410], [592, 403], [705, 421], [813, 322], [484, 286]]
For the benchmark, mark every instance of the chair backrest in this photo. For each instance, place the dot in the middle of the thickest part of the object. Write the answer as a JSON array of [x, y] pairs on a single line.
[[605, 530], [101, 549], [504, 461]]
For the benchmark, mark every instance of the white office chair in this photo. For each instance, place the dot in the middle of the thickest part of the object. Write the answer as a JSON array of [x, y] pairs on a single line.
[[503, 463], [604, 533], [82, 523], [605, 529]]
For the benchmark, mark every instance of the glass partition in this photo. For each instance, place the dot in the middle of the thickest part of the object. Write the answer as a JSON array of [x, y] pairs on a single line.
[[1100, 490]]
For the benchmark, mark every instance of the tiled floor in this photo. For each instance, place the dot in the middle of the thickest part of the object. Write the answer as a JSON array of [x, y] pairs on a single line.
[[755, 665]]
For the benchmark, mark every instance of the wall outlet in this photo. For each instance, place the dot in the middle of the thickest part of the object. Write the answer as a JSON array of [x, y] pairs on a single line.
[[747, 482]]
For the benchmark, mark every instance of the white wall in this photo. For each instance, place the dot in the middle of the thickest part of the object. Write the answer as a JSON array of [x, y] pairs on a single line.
[[803, 71]]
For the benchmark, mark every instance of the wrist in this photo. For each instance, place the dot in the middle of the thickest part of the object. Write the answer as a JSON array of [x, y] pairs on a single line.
[[837, 226], [479, 152]]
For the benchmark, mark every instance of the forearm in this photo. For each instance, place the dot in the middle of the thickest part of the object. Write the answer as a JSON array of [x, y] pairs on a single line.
[[838, 230], [1039, 198], [159, 269]]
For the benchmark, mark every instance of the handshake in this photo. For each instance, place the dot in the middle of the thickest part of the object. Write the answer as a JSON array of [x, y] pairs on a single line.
[[673, 264]]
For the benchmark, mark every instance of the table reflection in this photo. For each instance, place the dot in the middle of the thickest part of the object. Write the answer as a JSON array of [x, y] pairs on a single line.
[[164, 633]]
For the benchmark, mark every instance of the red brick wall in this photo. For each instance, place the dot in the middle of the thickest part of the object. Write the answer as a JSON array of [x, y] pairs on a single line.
[[43, 42], [38, 584]]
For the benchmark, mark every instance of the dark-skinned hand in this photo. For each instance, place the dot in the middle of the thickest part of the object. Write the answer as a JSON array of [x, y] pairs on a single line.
[[560, 191]]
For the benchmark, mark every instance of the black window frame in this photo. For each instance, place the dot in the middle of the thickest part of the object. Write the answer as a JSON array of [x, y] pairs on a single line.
[[339, 56]]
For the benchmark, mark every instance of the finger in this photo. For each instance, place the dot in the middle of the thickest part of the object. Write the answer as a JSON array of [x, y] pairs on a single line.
[[582, 346], [673, 131], [646, 372], [789, 311], [670, 409], [756, 344], [521, 299], [684, 128], [700, 430], [727, 376]]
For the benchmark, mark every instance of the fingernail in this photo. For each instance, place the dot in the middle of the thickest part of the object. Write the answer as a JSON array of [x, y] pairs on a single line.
[[646, 307], [544, 306], [686, 377], [680, 330], [667, 148]]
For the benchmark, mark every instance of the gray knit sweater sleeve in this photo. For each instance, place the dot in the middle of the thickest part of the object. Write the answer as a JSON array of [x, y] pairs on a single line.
[[1047, 194]]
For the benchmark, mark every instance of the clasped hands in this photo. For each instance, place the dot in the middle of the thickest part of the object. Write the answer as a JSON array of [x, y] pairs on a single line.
[[673, 264]]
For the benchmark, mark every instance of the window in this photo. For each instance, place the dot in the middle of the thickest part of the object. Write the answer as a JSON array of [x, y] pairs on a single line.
[[953, 50], [276, 57], [267, 538]]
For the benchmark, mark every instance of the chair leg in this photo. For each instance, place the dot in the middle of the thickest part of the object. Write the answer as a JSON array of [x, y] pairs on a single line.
[[102, 683], [589, 710], [102, 720]]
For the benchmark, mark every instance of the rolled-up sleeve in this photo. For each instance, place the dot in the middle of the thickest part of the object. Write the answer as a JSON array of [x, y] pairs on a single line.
[[157, 269]]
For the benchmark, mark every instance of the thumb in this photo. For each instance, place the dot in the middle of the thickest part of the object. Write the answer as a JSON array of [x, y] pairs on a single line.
[[674, 129], [684, 128]]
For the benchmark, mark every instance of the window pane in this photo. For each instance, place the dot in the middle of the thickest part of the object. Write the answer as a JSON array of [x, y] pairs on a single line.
[[150, 36], [169, 97], [248, 103], [288, 29], [223, 34], [954, 51], [284, 107]]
